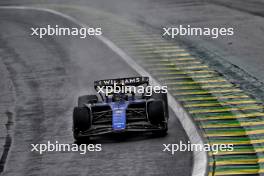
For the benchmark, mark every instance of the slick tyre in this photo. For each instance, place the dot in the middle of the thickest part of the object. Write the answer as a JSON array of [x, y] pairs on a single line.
[[81, 121], [85, 99]]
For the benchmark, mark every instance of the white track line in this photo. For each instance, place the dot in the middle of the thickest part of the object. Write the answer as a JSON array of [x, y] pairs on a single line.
[[200, 158]]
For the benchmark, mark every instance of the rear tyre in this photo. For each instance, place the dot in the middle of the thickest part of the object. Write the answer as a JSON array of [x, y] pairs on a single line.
[[81, 121], [85, 99]]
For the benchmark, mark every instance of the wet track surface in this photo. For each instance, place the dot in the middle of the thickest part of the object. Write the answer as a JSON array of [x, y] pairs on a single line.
[[224, 53], [42, 79], [45, 77]]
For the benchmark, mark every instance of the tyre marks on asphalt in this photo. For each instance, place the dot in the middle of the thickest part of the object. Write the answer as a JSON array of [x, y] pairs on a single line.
[[34, 83], [7, 101], [8, 140], [29, 104]]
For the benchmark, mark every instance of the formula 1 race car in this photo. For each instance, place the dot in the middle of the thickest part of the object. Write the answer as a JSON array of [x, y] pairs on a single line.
[[120, 112]]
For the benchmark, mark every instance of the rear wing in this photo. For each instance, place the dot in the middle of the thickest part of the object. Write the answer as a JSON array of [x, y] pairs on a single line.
[[131, 81]]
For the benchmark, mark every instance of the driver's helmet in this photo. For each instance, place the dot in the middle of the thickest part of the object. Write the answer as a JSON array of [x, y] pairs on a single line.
[[119, 97]]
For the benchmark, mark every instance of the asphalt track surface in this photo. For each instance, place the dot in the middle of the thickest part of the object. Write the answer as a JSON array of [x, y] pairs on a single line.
[[238, 58], [245, 16], [41, 81], [228, 55]]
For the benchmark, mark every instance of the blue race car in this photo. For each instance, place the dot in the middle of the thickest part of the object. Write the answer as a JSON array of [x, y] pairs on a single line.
[[120, 112]]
